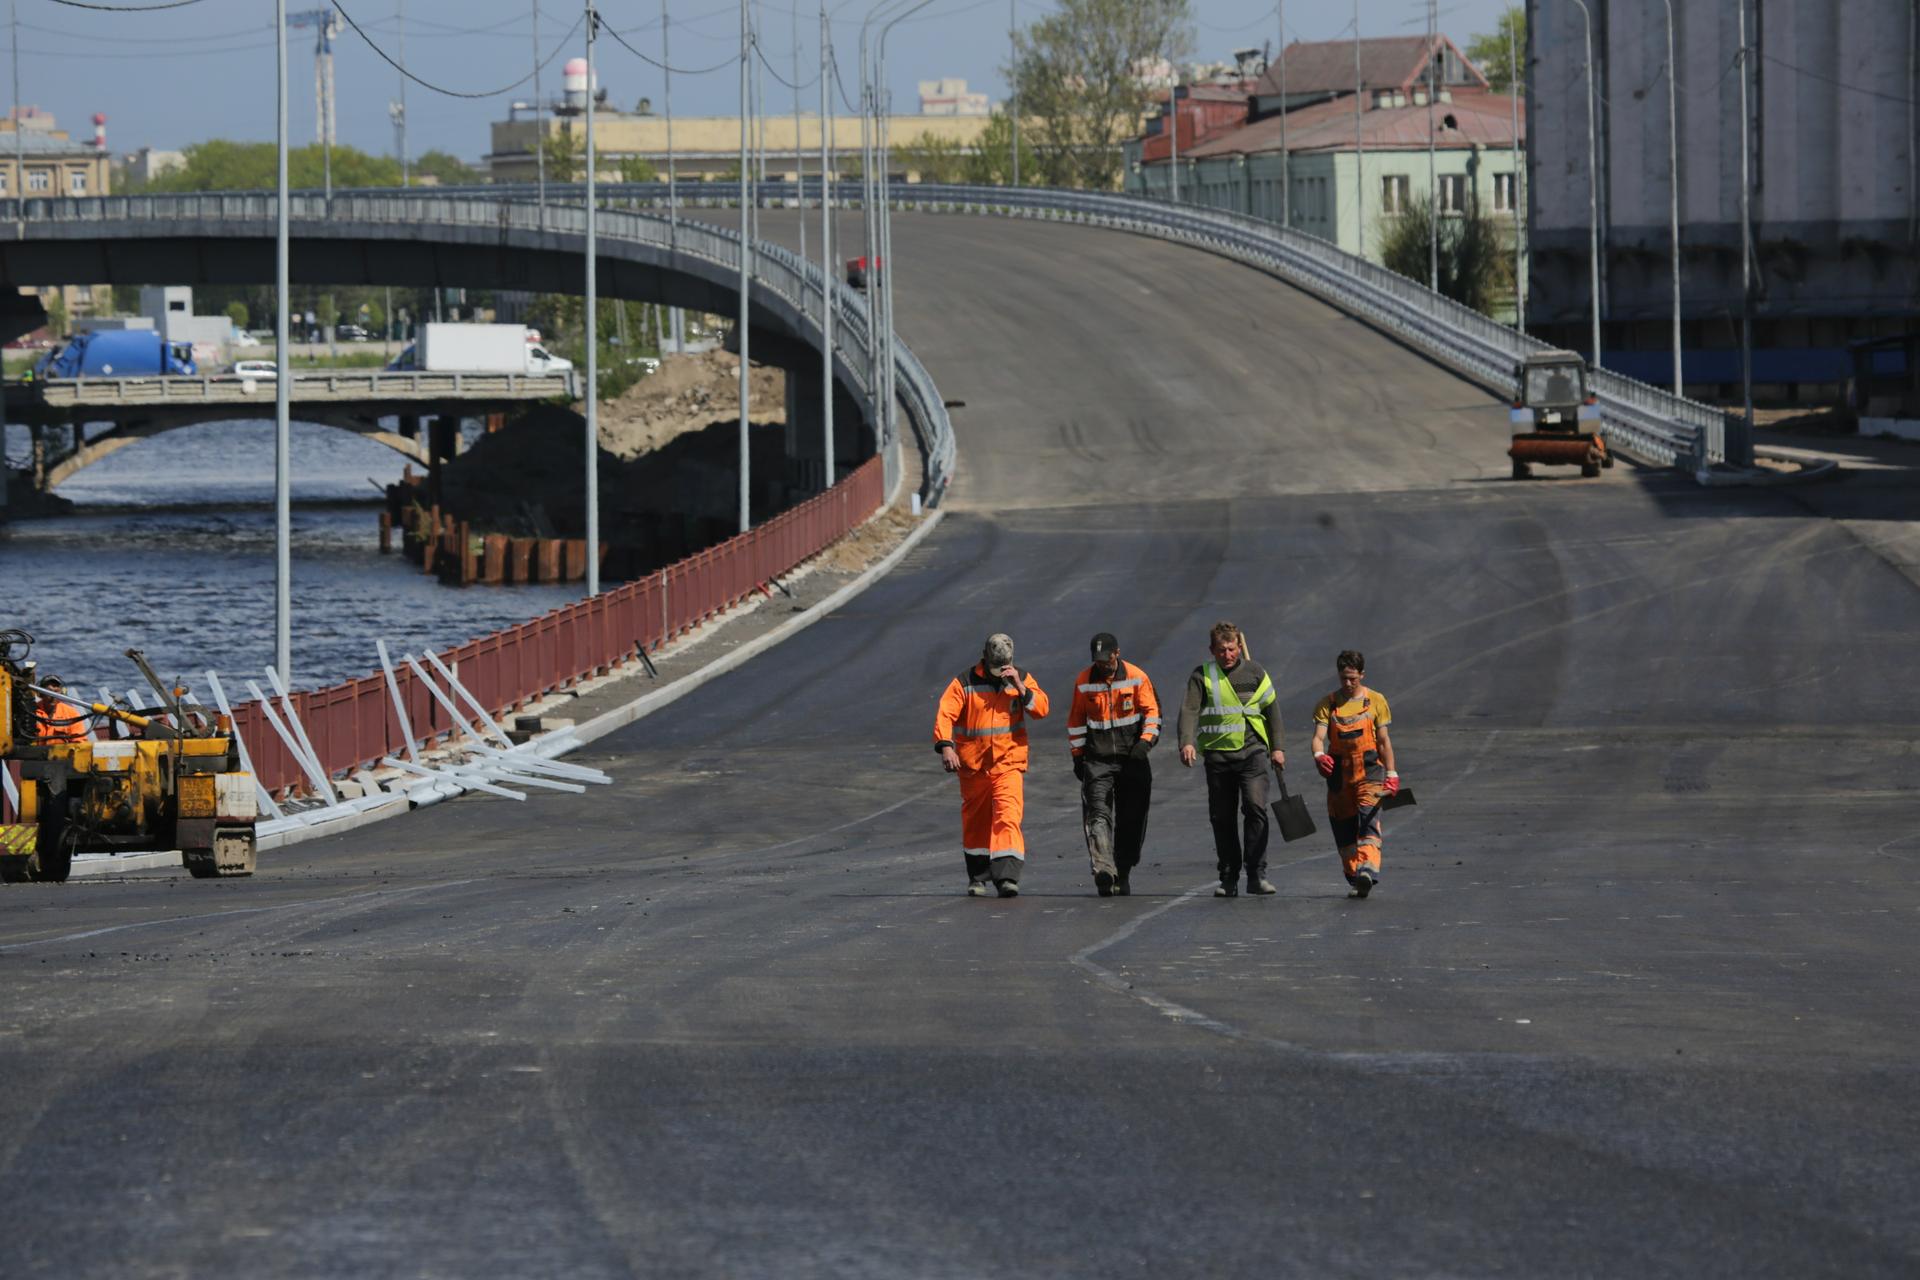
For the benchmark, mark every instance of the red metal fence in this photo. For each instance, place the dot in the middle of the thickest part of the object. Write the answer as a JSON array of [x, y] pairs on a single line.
[[353, 724]]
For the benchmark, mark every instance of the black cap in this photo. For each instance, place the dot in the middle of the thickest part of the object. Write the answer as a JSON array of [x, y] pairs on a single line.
[[1104, 646]]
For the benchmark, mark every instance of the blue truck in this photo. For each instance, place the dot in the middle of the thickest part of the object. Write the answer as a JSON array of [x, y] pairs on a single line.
[[117, 353]]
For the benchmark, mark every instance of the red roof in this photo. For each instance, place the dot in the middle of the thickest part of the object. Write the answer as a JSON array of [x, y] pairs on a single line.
[[1390, 62], [1483, 119]]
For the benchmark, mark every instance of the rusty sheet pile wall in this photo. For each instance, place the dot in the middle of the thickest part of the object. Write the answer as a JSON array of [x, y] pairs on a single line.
[[353, 724]]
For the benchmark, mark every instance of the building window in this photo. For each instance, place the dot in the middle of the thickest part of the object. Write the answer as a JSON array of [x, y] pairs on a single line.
[[39, 180], [1453, 193], [1503, 193], [77, 182], [6, 182], [83, 294], [1395, 191]]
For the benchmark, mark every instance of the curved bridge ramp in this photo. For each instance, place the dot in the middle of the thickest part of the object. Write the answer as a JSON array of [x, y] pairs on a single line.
[[1636, 987]]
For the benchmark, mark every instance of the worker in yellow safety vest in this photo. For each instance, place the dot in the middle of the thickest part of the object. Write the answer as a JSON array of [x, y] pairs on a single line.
[[1231, 717]]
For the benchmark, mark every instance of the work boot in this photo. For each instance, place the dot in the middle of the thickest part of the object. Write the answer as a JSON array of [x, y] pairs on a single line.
[[1103, 883], [1120, 887], [1008, 888], [1363, 883], [1259, 886], [1227, 889], [976, 888]]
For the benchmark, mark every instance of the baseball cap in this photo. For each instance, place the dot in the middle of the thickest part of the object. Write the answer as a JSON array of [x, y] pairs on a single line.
[[1104, 646], [998, 650]]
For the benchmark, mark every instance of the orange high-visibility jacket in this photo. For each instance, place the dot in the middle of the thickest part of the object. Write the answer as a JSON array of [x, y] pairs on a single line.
[[1107, 716], [986, 724], [51, 710]]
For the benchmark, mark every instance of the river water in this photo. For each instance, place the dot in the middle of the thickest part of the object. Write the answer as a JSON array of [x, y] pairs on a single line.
[[171, 551]]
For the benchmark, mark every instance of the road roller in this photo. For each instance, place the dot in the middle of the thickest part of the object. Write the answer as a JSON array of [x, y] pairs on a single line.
[[1556, 418]]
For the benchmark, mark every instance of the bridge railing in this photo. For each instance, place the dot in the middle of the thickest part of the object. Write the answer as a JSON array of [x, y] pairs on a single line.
[[354, 725], [1645, 421], [777, 273], [305, 386]]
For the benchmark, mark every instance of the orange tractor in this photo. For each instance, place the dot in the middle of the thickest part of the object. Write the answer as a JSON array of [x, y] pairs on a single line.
[[1556, 418]]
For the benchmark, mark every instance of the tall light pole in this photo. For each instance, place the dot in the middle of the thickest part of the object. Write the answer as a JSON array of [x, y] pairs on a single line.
[[1359, 147], [1744, 456], [1433, 185], [799, 161], [826, 252], [676, 317], [746, 268], [593, 332], [1173, 126], [283, 380], [1013, 89], [886, 218], [400, 116], [1519, 171], [1286, 184], [1673, 192], [1593, 191], [539, 113]]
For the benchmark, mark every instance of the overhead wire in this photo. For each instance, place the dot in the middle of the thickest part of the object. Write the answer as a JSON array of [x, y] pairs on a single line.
[[655, 62], [126, 8], [775, 72], [442, 89]]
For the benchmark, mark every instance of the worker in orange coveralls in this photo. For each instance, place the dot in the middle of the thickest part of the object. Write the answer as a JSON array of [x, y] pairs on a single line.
[[980, 732], [1355, 756], [60, 720]]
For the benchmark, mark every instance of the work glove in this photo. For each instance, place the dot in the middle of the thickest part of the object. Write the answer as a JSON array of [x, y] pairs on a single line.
[[1324, 763], [1140, 748], [1080, 768], [1393, 784]]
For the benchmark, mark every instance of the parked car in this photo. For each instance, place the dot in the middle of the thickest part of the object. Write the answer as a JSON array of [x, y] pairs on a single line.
[[351, 333], [256, 369]]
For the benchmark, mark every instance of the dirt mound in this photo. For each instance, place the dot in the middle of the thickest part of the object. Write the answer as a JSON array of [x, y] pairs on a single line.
[[686, 394]]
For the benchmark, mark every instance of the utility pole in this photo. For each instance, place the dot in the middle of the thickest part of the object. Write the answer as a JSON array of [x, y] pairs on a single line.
[[746, 268], [826, 253], [676, 317], [539, 112], [1673, 193], [282, 382], [1173, 122], [593, 333], [19, 205], [1433, 185]]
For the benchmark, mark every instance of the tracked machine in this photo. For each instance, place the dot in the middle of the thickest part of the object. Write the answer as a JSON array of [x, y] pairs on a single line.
[[1556, 418], [173, 782]]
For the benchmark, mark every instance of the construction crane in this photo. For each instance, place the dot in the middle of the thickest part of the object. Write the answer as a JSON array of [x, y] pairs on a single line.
[[326, 25]]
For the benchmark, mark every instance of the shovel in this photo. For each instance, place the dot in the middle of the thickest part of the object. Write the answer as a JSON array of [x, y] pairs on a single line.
[[1402, 797], [1290, 811]]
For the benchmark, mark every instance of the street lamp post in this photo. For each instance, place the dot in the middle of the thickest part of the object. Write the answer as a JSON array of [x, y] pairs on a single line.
[[826, 252], [1673, 192], [886, 218], [1593, 191], [282, 388], [593, 335], [1519, 170], [746, 270]]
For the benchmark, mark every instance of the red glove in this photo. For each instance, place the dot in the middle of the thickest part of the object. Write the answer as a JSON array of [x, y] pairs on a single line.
[[1324, 763], [1393, 784]]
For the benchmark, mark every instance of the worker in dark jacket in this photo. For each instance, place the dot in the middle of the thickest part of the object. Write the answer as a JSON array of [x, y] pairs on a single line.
[[1231, 717], [1114, 722]]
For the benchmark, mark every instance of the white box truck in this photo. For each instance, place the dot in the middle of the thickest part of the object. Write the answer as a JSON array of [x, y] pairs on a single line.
[[480, 348]]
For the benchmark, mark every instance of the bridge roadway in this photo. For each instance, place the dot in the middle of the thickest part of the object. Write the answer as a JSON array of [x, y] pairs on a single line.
[[1635, 997]]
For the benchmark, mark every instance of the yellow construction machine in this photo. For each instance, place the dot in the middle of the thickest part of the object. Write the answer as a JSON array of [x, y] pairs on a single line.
[[172, 782], [1556, 418]]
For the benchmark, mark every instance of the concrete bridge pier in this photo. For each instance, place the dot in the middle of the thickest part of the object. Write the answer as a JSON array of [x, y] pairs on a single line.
[[806, 472]]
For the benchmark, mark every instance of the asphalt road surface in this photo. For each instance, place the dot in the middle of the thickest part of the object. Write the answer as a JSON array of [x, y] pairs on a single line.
[[1635, 997]]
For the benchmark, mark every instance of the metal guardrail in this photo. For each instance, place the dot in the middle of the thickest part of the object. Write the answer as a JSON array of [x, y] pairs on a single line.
[[777, 273], [319, 387], [1643, 421]]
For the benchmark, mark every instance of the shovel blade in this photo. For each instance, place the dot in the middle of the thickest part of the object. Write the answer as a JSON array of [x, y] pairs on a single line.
[[1403, 797], [1290, 812]]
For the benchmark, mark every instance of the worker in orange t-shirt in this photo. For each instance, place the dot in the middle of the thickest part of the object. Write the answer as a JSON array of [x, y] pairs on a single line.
[[1354, 753], [60, 720], [980, 732]]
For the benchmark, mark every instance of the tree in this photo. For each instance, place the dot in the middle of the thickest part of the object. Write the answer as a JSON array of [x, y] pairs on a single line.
[[932, 157], [565, 156], [448, 170], [991, 163], [1489, 52], [220, 165], [1077, 78], [327, 311], [638, 169], [237, 312], [57, 314], [376, 317], [1475, 269]]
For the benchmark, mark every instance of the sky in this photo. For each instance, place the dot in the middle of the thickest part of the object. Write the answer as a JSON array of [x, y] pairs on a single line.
[[205, 69]]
